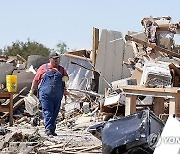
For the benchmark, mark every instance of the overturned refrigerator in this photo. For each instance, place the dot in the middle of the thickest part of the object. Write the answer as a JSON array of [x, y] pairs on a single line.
[[136, 133]]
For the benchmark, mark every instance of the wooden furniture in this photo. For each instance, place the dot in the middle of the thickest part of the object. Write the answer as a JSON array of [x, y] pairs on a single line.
[[9, 106], [173, 94]]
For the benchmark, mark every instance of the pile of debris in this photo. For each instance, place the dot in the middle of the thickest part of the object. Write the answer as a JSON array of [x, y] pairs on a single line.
[[27, 134], [96, 102]]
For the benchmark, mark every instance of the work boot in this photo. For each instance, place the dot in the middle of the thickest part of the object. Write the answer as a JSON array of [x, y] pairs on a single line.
[[54, 134], [49, 133]]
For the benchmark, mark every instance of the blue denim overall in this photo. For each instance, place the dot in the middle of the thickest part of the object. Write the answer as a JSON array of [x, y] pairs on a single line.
[[50, 94]]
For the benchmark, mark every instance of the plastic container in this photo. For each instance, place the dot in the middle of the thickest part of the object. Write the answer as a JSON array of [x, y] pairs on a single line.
[[31, 104], [11, 83]]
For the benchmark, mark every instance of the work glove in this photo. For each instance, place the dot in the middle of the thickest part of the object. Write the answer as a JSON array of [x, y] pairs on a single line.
[[31, 92], [65, 78], [55, 69]]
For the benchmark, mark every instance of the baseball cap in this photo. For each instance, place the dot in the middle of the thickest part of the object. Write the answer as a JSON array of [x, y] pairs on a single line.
[[53, 55]]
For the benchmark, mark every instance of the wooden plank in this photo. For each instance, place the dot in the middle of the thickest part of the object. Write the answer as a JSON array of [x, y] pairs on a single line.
[[77, 57], [5, 95], [4, 108], [9, 104], [153, 46], [78, 52], [90, 148], [16, 105], [11, 110], [95, 44], [20, 57], [172, 93], [14, 96], [161, 90], [130, 106], [150, 93]]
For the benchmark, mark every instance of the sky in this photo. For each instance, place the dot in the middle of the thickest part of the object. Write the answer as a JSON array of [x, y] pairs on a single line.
[[71, 21]]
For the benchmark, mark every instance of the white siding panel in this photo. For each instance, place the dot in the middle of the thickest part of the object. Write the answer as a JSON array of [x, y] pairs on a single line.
[[110, 57]]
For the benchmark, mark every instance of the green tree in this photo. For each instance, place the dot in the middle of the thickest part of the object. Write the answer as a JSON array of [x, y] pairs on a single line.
[[26, 49], [62, 47]]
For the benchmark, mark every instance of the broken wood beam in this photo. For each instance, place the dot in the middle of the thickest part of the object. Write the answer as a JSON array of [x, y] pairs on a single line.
[[20, 57], [15, 96], [15, 106], [77, 57], [95, 44], [78, 52], [153, 46], [74, 150], [91, 148], [130, 106]]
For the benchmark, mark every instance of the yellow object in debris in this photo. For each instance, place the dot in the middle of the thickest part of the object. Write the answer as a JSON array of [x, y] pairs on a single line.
[[11, 83]]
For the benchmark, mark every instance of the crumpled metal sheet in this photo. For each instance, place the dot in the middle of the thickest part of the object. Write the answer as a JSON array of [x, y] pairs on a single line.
[[79, 78], [137, 132]]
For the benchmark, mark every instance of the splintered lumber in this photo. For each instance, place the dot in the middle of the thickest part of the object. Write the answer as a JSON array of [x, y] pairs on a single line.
[[15, 106], [58, 149], [153, 46], [67, 143], [78, 52], [20, 57], [52, 147], [75, 150], [91, 148], [55, 146], [77, 57], [65, 152], [14, 96]]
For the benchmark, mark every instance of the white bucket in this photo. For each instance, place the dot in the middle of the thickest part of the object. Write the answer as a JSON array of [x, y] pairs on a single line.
[[31, 104]]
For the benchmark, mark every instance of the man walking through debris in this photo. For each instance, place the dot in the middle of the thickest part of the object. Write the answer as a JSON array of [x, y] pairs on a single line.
[[50, 80]]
